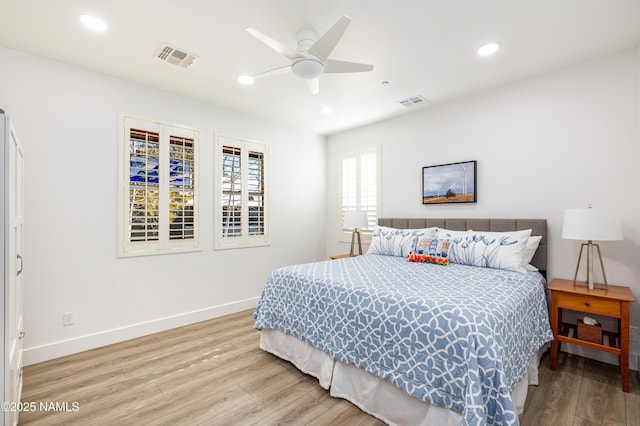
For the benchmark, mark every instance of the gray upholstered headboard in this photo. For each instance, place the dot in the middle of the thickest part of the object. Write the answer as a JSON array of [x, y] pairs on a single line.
[[537, 226]]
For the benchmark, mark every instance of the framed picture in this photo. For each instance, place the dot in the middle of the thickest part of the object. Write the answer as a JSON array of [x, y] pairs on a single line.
[[449, 183]]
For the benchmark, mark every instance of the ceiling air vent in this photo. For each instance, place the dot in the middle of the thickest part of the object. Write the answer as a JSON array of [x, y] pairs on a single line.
[[413, 101], [176, 56]]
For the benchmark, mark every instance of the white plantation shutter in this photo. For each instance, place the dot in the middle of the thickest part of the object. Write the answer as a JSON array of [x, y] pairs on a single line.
[[360, 183], [256, 192], [369, 186], [181, 188], [144, 188], [231, 194], [158, 177], [241, 202], [349, 183]]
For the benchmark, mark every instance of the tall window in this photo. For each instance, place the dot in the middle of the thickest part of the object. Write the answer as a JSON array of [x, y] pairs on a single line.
[[360, 186], [241, 204], [158, 200]]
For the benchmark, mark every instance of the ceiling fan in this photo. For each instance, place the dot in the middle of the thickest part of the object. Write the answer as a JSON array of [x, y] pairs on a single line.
[[310, 59]]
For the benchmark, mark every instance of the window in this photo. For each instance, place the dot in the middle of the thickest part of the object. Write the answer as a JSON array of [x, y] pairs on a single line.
[[360, 183], [241, 202], [158, 188]]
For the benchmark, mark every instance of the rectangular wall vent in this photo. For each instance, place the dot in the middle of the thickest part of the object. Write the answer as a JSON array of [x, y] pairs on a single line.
[[413, 101], [176, 56]]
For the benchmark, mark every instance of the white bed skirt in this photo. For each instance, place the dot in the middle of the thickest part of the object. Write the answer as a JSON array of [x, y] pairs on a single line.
[[370, 393]]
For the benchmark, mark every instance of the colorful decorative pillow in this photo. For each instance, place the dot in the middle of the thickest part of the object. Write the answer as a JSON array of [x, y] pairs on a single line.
[[529, 251], [431, 250], [499, 250], [397, 242]]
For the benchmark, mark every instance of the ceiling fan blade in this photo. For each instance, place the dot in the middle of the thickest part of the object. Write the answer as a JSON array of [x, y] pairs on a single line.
[[275, 45], [314, 85], [333, 66], [274, 71], [323, 47]]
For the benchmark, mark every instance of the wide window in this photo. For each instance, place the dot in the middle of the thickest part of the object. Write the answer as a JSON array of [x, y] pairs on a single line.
[[241, 202], [158, 199], [360, 187]]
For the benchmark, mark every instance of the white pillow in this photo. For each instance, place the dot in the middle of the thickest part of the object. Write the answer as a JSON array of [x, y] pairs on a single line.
[[397, 242], [528, 252], [451, 234], [499, 250]]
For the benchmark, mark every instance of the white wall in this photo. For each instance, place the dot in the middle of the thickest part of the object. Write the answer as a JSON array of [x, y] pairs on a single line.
[[563, 139], [67, 119]]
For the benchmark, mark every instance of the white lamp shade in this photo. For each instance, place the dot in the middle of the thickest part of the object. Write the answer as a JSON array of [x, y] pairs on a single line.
[[355, 219], [591, 224]]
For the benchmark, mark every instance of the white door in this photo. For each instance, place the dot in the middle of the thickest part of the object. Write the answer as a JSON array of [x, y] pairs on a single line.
[[13, 292]]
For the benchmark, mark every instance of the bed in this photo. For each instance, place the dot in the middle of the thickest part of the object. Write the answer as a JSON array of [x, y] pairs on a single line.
[[419, 343]]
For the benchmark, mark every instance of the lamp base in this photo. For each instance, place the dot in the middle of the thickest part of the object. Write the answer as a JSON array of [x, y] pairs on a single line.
[[586, 284], [353, 240], [589, 282]]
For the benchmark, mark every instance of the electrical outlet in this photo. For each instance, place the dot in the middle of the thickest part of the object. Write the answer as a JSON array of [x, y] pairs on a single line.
[[634, 334], [68, 318]]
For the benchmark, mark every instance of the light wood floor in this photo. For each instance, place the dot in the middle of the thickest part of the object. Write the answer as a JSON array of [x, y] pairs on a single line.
[[213, 373]]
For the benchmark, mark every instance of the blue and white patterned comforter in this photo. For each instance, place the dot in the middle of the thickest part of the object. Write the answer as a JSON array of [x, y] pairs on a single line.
[[460, 336]]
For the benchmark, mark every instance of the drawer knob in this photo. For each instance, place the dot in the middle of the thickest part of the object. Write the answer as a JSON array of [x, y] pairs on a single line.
[[587, 304]]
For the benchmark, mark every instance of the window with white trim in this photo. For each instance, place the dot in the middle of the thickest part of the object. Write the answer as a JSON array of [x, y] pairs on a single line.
[[242, 194], [360, 186], [158, 199]]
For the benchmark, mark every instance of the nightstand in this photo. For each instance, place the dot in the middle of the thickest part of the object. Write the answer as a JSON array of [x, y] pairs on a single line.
[[611, 302], [339, 256]]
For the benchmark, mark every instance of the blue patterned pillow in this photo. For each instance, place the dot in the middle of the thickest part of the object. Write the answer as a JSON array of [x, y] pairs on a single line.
[[397, 242], [499, 250]]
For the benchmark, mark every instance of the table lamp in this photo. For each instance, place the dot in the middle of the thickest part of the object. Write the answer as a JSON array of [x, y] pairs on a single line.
[[356, 220], [591, 224]]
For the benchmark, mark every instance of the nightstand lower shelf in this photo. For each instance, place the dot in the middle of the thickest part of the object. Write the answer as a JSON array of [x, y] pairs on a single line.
[[568, 331]]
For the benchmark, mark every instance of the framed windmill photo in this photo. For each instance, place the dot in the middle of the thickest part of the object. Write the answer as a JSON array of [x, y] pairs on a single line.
[[449, 183]]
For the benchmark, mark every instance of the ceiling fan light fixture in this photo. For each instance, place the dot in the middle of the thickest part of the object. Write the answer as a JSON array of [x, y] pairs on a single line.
[[488, 49], [307, 68], [247, 80]]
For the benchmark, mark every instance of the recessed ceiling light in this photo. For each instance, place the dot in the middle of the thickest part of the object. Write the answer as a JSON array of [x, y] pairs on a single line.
[[488, 49], [245, 79], [326, 110], [93, 23]]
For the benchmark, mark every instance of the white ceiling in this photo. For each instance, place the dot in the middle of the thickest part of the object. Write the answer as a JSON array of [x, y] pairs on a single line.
[[421, 47]]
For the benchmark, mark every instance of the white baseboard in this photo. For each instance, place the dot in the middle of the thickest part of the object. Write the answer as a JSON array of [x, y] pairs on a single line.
[[634, 357], [36, 354]]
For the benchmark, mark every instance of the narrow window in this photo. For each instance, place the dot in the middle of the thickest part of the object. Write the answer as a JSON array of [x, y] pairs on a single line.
[[360, 183], [242, 214]]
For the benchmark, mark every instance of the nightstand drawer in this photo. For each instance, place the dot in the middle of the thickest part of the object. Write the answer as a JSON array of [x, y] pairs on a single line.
[[586, 304]]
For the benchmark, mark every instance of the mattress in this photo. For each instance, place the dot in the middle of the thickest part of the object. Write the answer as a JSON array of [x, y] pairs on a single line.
[[460, 337]]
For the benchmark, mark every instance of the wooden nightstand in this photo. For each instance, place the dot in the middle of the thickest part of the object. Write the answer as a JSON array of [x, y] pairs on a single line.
[[339, 256], [612, 302]]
